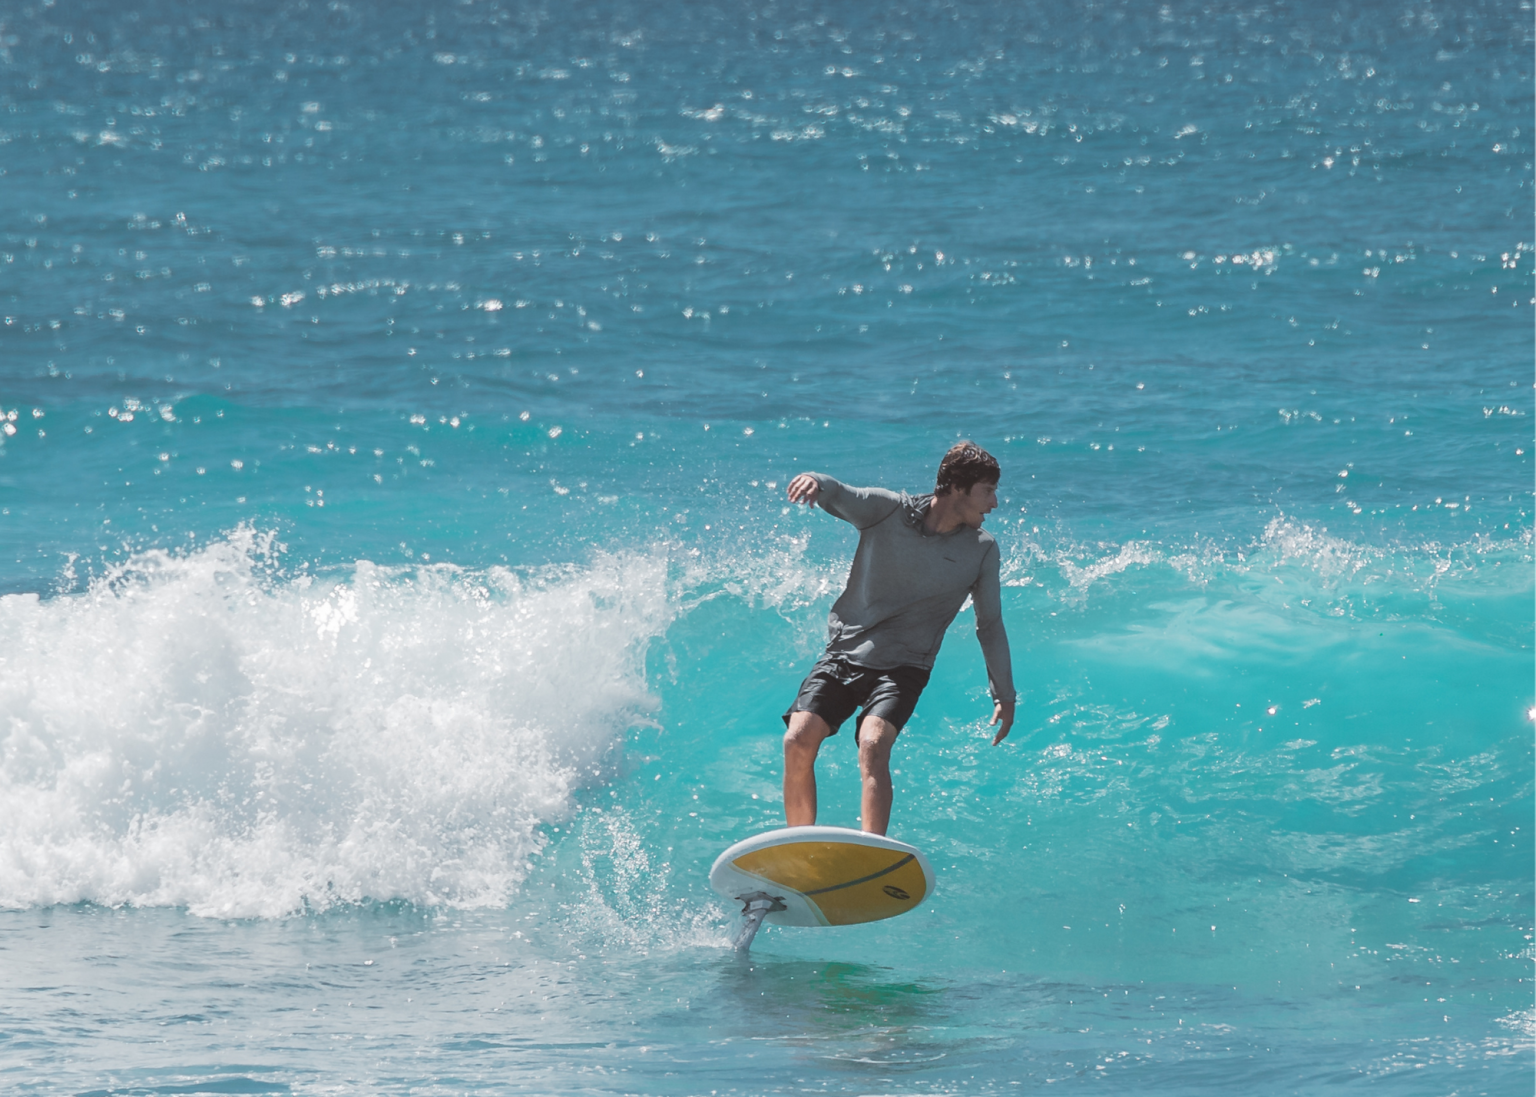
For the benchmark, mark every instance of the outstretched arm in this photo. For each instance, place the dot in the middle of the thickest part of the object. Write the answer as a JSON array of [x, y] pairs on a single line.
[[861, 506], [987, 597]]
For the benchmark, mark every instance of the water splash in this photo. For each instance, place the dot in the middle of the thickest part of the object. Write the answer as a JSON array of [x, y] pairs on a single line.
[[201, 730], [627, 899]]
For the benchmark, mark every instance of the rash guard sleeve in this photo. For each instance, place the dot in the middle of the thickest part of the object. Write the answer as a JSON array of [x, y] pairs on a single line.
[[863, 507], [986, 596]]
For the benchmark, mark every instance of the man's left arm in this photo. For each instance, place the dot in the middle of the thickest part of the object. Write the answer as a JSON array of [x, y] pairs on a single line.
[[986, 596]]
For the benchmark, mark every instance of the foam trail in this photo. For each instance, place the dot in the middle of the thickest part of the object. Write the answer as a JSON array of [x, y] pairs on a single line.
[[201, 730]]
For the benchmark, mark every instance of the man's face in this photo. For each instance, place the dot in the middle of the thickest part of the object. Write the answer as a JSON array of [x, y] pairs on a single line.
[[973, 505]]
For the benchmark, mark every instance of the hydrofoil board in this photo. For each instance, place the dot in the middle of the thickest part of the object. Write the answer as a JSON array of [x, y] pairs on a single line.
[[820, 876]]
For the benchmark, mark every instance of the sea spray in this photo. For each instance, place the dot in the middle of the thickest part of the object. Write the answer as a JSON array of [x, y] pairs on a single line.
[[203, 729]]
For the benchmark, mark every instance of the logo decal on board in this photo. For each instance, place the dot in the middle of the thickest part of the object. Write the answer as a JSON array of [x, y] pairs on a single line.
[[895, 892]]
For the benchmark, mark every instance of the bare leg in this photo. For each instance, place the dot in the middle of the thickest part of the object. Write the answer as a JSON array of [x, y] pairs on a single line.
[[802, 740], [876, 737]]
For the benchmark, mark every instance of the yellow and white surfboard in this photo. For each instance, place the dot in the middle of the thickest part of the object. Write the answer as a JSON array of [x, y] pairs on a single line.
[[821, 876]]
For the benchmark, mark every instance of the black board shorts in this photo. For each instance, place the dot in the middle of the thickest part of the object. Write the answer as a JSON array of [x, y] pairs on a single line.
[[835, 687]]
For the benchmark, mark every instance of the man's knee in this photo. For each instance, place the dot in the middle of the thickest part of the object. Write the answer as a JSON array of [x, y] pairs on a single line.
[[876, 737], [804, 736]]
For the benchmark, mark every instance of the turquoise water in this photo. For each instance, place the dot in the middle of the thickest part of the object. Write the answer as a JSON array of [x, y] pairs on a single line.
[[397, 594]]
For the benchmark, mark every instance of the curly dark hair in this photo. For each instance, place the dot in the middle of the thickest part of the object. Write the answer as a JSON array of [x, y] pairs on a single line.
[[964, 466]]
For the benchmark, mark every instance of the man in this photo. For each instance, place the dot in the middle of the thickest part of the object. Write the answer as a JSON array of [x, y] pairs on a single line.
[[916, 562]]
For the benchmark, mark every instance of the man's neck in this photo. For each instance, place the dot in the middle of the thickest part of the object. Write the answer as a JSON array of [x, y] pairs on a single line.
[[941, 516]]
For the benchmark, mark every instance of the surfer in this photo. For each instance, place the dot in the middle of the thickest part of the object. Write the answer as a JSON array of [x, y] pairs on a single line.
[[917, 560]]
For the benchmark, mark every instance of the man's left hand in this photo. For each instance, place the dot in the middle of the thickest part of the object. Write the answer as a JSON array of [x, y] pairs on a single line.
[[1002, 714]]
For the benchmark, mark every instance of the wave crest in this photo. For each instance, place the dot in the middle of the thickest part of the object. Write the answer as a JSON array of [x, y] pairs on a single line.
[[201, 730]]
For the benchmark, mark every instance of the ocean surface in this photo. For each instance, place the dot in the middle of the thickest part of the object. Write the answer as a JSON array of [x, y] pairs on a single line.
[[398, 597]]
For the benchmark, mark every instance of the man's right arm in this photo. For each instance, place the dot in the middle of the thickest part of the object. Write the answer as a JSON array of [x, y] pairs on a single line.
[[861, 506]]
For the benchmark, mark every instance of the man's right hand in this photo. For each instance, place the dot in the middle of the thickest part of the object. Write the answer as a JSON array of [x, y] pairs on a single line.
[[804, 489]]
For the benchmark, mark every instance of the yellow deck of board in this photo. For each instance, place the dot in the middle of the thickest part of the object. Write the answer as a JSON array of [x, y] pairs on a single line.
[[846, 883]]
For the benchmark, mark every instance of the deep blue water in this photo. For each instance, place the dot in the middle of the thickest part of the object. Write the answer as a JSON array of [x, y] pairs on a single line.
[[399, 595]]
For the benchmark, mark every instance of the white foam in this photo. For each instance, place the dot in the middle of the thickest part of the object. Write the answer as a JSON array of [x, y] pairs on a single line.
[[201, 730], [1286, 540], [1079, 579], [1310, 559]]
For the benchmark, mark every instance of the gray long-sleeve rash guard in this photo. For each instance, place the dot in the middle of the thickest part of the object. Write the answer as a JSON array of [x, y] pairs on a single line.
[[907, 584]]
